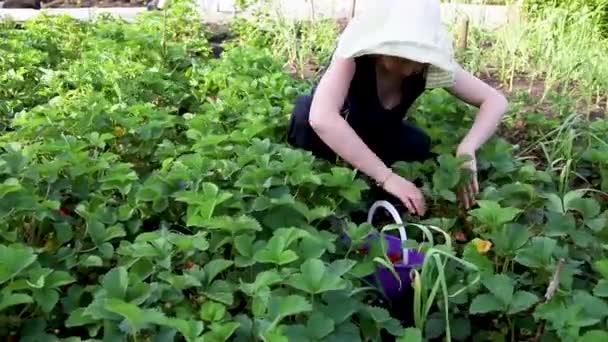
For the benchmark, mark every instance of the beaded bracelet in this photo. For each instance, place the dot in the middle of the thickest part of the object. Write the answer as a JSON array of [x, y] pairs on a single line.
[[381, 184]]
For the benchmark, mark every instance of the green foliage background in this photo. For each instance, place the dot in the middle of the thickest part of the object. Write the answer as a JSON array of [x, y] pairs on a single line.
[[147, 193]]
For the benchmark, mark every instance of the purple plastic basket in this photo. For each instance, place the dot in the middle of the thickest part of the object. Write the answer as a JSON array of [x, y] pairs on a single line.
[[393, 288]]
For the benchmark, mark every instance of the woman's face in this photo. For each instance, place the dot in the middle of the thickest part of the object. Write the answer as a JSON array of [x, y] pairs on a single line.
[[401, 66]]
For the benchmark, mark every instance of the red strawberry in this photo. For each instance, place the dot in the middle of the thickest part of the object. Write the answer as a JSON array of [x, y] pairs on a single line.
[[189, 264], [460, 236], [64, 211], [394, 257]]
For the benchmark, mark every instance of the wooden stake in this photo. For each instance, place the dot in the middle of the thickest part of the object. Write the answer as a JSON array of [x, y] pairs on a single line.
[[463, 33], [312, 11]]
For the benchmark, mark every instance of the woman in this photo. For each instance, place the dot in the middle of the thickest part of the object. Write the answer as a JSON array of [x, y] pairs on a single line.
[[385, 59]]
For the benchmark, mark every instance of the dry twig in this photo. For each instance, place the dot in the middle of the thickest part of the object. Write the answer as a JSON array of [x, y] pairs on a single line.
[[551, 289]]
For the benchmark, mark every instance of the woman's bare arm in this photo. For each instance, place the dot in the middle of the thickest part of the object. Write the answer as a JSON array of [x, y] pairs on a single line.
[[491, 103], [333, 129]]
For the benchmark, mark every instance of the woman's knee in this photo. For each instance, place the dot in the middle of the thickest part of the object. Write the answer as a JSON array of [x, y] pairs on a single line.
[[419, 142], [408, 143], [299, 126]]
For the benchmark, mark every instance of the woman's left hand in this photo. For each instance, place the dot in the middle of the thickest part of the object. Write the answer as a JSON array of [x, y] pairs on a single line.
[[468, 192]]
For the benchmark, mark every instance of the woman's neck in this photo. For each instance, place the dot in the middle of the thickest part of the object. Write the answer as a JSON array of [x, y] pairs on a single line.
[[388, 87], [387, 76]]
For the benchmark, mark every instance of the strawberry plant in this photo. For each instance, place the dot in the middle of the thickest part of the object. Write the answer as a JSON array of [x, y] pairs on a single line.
[[147, 192]]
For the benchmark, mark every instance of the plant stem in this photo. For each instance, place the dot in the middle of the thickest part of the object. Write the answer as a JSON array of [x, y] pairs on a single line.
[[551, 289], [511, 328]]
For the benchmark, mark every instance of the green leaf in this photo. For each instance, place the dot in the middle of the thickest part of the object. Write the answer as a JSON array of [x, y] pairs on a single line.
[[601, 289], [561, 315], [559, 224], [435, 327], [572, 196], [11, 299], [537, 253], [120, 177], [461, 328], [202, 203], [501, 286], [581, 238], [588, 207], [597, 224], [136, 317], [319, 325], [273, 336], [340, 306], [314, 278], [231, 224], [191, 329], [220, 332], [10, 185], [411, 335], [211, 311], [594, 336], [363, 269], [263, 280], [510, 238], [92, 261], [472, 255], [601, 266], [46, 299], [114, 232], [346, 331], [341, 266], [485, 303], [595, 307], [14, 259], [221, 291], [97, 231], [37, 277], [448, 195], [79, 318], [522, 301], [492, 215], [215, 267], [115, 282], [244, 244], [379, 315], [58, 279], [275, 251], [281, 307]]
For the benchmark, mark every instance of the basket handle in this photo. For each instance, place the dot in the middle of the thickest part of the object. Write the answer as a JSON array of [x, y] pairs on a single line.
[[395, 214]]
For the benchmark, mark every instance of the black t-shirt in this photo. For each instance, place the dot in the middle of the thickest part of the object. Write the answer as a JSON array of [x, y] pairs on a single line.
[[362, 97], [363, 92]]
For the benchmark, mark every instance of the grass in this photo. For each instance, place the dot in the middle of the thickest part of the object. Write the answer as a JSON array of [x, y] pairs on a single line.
[[557, 56], [558, 53]]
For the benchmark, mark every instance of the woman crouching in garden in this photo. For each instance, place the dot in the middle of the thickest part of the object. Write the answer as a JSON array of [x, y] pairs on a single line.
[[385, 59]]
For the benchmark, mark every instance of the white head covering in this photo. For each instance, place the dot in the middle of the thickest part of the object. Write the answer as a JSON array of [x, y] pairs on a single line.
[[409, 29]]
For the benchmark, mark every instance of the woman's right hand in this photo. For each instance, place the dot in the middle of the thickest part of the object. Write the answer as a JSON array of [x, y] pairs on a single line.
[[407, 192]]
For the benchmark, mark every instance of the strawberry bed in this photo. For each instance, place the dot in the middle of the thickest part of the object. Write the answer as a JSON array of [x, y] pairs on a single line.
[[147, 194]]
